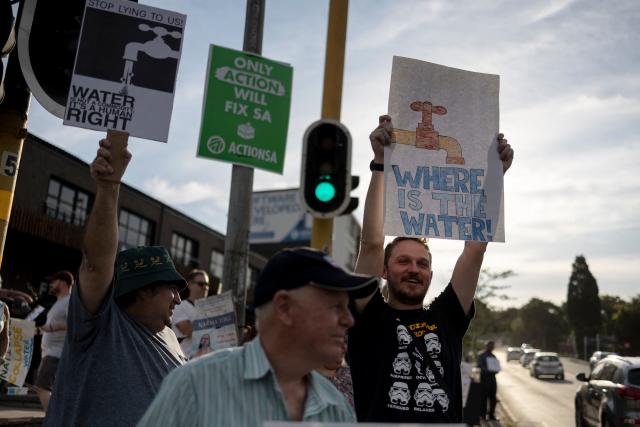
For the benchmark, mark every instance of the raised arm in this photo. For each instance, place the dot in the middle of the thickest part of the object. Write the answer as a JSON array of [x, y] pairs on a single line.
[[371, 256], [467, 270], [101, 235]]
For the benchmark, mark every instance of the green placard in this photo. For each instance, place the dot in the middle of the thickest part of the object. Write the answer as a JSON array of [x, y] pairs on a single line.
[[245, 113]]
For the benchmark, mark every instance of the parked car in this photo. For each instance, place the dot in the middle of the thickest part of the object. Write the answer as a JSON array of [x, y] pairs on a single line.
[[598, 356], [546, 364], [527, 356], [610, 396], [513, 353]]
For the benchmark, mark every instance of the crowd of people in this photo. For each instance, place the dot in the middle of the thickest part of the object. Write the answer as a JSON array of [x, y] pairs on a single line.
[[330, 346]]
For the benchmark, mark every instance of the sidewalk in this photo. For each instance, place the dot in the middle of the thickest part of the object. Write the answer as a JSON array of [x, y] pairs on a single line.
[[20, 411]]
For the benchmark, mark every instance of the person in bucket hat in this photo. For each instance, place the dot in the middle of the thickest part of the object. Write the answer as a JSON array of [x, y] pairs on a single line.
[[302, 316], [119, 345]]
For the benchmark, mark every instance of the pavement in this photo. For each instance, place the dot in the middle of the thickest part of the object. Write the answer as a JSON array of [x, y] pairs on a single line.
[[20, 411]]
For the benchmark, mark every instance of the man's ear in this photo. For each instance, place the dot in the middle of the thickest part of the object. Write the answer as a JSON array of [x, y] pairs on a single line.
[[384, 273], [282, 305]]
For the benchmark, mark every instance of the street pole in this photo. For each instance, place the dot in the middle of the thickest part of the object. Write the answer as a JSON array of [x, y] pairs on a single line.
[[13, 131], [322, 231], [236, 244]]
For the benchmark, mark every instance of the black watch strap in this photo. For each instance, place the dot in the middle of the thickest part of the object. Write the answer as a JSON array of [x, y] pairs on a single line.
[[373, 166]]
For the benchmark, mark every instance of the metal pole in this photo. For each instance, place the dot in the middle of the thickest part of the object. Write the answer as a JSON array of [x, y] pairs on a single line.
[[322, 231], [13, 131], [236, 245]]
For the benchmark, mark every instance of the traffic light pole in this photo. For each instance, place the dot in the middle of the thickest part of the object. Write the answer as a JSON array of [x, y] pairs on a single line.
[[322, 231], [13, 131], [236, 244]]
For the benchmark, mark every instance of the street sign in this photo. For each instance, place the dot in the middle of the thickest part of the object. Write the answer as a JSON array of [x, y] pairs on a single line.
[[245, 112], [125, 71], [278, 217]]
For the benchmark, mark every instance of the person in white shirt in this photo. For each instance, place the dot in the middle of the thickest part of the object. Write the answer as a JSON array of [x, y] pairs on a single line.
[[183, 315], [53, 334]]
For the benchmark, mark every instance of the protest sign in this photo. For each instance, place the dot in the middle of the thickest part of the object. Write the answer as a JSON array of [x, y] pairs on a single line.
[[214, 325], [245, 112], [126, 67], [16, 362], [277, 217], [443, 175]]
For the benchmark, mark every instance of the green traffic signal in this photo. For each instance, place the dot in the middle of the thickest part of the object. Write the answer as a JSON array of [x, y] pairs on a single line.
[[325, 191]]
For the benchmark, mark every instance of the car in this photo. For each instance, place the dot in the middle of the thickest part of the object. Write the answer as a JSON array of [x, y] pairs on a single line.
[[527, 356], [513, 353], [610, 395], [598, 356], [546, 364]]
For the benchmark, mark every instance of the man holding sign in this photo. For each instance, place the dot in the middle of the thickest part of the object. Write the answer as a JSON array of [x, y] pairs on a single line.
[[415, 352], [119, 345]]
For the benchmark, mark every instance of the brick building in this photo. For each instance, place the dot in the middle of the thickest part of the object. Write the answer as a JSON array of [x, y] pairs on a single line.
[[53, 197]]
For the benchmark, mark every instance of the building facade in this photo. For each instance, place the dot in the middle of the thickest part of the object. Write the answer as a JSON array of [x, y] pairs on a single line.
[[53, 197]]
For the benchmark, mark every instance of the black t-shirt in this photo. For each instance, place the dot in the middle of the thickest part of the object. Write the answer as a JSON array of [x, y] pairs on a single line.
[[390, 381]]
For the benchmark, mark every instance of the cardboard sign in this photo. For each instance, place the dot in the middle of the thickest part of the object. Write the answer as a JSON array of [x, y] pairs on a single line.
[[443, 175], [18, 358], [214, 325], [245, 113], [126, 67], [278, 216]]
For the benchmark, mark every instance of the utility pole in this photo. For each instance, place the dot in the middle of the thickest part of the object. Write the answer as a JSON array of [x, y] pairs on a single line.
[[13, 131], [322, 232], [236, 245]]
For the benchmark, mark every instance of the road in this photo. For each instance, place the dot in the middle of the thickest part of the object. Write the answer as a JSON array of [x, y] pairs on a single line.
[[538, 402]]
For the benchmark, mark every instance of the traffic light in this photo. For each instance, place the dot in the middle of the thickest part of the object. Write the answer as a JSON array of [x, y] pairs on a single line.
[[325, 176], [7, 38]]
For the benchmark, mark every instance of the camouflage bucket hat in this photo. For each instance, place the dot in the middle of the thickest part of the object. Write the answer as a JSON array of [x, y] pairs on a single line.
[[142, 266]]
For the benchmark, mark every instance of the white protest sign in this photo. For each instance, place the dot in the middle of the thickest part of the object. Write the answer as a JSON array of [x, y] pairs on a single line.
[[278, 216], [16, 363], [443, 175], [126, 67], [214, 325]]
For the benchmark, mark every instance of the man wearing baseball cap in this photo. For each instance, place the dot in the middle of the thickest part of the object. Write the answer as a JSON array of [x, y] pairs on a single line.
[[119, 345], [53, 334], [302, 316]]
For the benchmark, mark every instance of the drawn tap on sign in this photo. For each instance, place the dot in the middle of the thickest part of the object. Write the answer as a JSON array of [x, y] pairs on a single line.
[[156, 48], [426, 135]]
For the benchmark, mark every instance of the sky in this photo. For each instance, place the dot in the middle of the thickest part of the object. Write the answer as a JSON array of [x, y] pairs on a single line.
[[569, 105]]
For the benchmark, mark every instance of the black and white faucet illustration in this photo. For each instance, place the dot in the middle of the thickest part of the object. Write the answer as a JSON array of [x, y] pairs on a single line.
[[156, 48]]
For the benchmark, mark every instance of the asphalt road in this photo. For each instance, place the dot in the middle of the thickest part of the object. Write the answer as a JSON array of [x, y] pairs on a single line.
[[535, 402]]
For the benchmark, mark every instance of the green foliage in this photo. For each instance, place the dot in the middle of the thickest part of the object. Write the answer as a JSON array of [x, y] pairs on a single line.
[[541, 324], [626, 327], [583, 303]]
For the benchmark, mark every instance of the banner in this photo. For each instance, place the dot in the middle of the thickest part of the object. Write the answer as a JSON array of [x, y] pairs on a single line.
[[214, 325], [443, 175], [126, 67], [16, 362], [277, 216]]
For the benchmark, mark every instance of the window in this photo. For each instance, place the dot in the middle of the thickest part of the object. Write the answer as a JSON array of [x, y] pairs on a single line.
[[184, 250], [252, 277], [66, 203], [217, 262], [134, 230]]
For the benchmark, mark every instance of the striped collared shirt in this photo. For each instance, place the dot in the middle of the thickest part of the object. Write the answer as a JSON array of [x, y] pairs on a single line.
[[237, 387]]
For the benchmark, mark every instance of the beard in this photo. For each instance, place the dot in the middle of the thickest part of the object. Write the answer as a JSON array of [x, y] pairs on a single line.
[[412, 295]]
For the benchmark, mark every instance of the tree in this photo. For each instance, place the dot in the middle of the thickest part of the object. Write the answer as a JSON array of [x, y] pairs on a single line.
[[626, 329], [541, 324], [487, 321], [583, 304]]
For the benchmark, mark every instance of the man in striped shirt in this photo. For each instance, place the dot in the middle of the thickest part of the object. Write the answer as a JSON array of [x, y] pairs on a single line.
[[302, 317]]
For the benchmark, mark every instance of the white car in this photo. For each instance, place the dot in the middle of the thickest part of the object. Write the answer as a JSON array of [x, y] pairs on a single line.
[[546, 364], [513, 353]]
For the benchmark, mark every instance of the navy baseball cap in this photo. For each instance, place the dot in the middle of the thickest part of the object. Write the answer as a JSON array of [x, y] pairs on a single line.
[[296, 267]]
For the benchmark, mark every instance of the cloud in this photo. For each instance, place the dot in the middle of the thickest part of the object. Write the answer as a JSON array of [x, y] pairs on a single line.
[[184, 193]]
